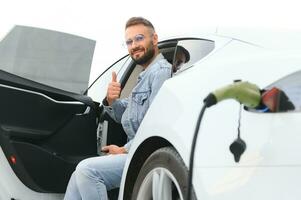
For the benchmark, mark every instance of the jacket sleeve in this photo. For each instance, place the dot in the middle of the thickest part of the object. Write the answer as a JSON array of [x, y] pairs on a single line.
[[116, 109], [157, 81], [127, 146]]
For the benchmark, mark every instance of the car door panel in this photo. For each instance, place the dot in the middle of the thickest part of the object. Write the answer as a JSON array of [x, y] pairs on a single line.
[[44, 132], [37, 106]]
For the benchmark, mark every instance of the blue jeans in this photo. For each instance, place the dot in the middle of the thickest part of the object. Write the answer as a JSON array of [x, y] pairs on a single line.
[[94, 176]]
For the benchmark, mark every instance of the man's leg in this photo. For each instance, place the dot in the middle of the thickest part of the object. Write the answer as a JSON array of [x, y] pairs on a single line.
[[94, 176], [72, 192]]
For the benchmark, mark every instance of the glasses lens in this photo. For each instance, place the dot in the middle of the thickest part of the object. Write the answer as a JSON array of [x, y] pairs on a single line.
[[129, 42], [139, 38]]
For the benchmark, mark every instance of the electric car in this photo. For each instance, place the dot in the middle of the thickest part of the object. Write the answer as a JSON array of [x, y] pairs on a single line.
[[50, 121]]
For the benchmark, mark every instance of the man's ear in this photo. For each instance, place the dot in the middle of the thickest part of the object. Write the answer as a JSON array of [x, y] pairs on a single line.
[[155, 39]]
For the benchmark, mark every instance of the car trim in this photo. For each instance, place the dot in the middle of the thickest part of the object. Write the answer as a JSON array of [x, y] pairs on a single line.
[[43, 95]]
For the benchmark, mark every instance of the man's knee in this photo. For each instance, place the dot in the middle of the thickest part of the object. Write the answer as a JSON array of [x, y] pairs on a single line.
[[86, 170], [83, 165]]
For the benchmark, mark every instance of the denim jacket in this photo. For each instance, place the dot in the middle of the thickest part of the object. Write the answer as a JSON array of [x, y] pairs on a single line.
[[130, 111]]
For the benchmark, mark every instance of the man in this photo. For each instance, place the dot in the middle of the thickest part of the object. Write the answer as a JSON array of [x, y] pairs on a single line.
[[94, 176]]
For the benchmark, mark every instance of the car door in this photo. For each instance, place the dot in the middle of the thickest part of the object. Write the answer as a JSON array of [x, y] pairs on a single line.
[[46, 125]]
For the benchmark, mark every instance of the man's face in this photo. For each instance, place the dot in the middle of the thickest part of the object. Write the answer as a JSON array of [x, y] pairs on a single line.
[[140, 42]]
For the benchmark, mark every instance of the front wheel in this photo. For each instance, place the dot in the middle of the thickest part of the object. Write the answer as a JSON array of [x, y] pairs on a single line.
[[163, 176]]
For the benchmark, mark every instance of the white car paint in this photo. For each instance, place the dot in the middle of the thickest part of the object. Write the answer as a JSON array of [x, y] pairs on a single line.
[[269, 169]]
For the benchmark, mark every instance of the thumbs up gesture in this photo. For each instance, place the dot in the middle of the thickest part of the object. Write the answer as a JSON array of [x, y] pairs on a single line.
[[114, 89]]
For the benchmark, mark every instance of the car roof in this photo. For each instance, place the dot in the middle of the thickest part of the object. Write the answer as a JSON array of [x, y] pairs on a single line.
[[276, 39], [272, 38]]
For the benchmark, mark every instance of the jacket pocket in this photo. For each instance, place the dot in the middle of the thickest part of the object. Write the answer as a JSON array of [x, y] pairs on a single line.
[[140, 97], [139, 106]]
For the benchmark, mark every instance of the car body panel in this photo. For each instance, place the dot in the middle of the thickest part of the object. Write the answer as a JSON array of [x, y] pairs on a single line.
[[14, 188], [217, 175]]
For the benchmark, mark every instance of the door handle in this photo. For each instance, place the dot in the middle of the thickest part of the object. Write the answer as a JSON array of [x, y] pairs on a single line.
[[86, 112]]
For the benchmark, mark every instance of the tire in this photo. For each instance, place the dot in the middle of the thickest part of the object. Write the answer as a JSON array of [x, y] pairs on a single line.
[[162, 176]]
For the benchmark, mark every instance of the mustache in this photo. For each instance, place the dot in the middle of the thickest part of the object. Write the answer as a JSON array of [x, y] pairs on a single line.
[[137, 49]]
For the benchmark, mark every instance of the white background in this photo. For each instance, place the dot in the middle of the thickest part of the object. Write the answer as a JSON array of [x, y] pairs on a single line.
[[104, 20]]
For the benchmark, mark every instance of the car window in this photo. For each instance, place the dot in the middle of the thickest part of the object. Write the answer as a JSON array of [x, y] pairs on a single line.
[[130, 76], [52, 58], [97, 90], [284, 95], [190, 51]]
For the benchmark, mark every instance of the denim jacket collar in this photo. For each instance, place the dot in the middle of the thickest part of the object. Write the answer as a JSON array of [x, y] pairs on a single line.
[[158, 57]]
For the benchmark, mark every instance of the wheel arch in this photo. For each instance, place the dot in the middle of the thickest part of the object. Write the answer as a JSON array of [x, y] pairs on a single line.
[[145, 149]]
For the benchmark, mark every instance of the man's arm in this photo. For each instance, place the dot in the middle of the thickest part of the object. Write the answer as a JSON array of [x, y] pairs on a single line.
[[114, 90], [112, 104]]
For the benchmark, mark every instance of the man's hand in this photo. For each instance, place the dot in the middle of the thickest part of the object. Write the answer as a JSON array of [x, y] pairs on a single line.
[[114, 89], [113, 149]]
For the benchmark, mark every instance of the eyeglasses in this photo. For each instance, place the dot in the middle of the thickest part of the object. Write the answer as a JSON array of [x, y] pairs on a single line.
[[138, 38]]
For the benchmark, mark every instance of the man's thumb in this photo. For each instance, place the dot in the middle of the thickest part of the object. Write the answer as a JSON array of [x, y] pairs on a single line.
[[114, 77]]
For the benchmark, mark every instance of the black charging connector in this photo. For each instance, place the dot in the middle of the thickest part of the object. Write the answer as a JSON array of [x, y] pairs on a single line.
[[211, 99]]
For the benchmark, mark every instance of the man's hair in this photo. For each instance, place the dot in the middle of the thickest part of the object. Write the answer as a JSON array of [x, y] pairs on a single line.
[[139, 20]]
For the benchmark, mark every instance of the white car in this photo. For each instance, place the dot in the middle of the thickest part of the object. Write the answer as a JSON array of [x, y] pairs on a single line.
[[49, 121]]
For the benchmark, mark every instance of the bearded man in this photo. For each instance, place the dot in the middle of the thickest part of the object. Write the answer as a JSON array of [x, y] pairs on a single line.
[[94, 176]]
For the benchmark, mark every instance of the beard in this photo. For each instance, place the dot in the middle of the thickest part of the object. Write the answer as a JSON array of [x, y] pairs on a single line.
[[149, 54]]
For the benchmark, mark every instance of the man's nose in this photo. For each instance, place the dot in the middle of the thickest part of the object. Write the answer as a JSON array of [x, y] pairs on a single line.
[[134, 44]]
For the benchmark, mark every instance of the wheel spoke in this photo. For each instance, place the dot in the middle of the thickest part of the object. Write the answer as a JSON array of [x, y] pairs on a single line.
[[165, 186], [158, 185], [161, 186], [159, 179], [155, 184]]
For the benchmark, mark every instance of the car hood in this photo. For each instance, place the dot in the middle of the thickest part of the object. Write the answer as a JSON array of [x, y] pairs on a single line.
[[49, 57]]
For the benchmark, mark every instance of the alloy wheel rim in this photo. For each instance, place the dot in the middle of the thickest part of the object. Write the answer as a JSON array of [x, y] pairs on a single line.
[[160, 184]]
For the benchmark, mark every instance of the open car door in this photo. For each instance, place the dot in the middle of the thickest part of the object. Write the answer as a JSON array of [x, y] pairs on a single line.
[[46, 125]]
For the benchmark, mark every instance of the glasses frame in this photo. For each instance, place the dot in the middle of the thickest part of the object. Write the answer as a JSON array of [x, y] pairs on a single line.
[[138, 38]]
